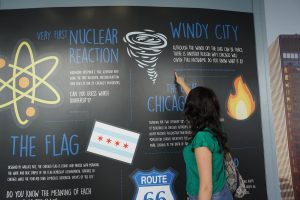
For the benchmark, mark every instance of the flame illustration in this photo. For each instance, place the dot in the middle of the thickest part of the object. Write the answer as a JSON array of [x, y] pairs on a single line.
[[240, 105]]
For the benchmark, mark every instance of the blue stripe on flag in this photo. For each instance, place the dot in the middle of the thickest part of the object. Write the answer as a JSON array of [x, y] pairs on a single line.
[[110, 149], [116, 134]]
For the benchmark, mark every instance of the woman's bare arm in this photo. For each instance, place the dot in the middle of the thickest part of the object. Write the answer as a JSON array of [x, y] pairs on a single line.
[[204, 164]]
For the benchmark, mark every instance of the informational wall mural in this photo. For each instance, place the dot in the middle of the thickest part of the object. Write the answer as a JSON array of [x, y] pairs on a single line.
[[89, 107]]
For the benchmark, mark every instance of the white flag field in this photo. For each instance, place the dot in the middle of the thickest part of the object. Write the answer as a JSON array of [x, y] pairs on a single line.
[[113, 142]]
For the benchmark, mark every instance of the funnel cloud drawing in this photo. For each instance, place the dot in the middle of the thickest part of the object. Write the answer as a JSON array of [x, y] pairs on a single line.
[[145, 47]]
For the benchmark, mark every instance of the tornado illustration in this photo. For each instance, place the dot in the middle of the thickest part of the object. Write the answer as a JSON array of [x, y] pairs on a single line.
[[144, 47]]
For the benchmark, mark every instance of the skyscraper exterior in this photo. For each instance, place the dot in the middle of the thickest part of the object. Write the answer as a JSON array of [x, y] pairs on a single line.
[[284, 59]]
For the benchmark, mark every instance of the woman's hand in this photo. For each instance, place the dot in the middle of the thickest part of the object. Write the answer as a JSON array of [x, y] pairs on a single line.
[[179, 79], [182, 83]]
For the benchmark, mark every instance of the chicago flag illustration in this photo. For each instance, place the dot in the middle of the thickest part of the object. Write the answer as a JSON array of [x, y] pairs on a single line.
[[113, 142]]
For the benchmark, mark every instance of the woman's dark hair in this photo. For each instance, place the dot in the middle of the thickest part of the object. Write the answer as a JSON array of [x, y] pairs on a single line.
[[202, 110]]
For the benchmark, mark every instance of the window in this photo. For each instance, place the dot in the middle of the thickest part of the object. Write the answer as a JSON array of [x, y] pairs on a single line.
[[286, 77], [284, 55], [292, 55]]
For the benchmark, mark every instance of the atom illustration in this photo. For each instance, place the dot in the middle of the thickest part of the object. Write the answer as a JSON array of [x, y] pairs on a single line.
[[26, 84]]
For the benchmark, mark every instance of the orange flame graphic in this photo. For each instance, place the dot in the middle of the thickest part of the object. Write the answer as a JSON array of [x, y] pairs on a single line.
[[241, 105]]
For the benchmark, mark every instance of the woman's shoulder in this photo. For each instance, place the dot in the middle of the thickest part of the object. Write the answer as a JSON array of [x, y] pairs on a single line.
[[206, 132], [204, 138]]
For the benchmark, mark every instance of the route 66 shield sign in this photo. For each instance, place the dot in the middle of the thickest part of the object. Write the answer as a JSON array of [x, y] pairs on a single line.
[[154, 185]]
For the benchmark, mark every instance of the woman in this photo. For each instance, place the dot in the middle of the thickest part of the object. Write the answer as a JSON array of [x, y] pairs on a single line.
[[203, 156]]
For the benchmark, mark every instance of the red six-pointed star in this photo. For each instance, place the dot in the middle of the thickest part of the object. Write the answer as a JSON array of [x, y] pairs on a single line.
[[108, 140], [117, 143], [100, 138], [125, 145]]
